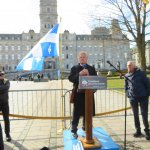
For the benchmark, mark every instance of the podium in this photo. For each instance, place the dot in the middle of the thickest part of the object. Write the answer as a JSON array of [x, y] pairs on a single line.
[[90, 84], [89, 141], [92, 138]]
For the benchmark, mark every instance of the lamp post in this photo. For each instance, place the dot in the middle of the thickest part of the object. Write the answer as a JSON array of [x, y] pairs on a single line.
[[99, 65], [118, 65]]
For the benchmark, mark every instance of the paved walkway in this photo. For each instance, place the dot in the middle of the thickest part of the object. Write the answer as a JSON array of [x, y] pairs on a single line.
[[35, 134]]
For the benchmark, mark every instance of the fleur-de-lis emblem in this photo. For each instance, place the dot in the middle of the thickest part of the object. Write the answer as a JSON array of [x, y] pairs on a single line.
[[49, 49]]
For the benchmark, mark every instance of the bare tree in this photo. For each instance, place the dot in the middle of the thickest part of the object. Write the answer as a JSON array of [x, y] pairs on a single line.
[[133, 18]]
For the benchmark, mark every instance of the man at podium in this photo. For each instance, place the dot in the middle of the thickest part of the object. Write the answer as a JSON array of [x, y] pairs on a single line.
[[82, 69]]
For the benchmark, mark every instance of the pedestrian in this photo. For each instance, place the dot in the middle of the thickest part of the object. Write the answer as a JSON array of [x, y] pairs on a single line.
[[82, 69], [4, 104], [137, 90], [42, 76], [39, 77]]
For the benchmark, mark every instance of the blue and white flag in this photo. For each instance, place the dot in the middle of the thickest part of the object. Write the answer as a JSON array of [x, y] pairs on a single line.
[[48, 46]]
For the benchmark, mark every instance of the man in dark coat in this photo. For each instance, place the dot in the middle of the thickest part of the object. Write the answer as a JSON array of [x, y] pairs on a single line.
[[137, 90], [4, 105], [82, 69]]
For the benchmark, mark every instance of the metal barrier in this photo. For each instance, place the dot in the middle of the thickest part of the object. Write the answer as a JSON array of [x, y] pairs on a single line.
[[40, 104], [54, 103], [110, 102]]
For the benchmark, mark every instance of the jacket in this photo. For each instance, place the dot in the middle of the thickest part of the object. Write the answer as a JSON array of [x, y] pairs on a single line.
[[79, 104], [4, 87], [137, 84]]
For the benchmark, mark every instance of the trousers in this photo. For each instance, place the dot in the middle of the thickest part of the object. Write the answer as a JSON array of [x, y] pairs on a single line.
[[4, 107], [143, 103]]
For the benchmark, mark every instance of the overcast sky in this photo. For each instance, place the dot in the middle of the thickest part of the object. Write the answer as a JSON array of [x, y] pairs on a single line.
[[17, 16]]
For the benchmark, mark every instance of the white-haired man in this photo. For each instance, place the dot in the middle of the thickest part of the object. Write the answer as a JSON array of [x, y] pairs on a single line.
[[137, 90], [82, 69]]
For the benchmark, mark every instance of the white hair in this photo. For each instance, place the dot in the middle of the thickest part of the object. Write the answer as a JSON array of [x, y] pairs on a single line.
[[131, 62], [83, 53]]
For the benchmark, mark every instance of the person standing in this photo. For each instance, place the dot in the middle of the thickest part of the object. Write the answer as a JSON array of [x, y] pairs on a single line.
[[39, 77], [82, 69], [4, 104], [137, 90]]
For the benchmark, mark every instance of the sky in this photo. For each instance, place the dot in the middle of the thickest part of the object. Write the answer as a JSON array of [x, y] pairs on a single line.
[[17, 16]]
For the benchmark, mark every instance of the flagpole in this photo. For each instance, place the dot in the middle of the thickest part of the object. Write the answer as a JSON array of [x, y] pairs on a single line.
[[61, 77]]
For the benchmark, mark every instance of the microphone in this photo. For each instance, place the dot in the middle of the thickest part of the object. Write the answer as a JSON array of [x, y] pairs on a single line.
[[109, 63]]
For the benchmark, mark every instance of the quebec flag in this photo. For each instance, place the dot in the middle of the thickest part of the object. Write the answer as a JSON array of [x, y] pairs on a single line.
[[48, 46]]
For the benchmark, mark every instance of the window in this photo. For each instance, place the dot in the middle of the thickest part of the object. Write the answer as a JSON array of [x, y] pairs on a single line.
[[48, 26], [6, 56], [6, 47], [66, 47], [0, 47], [9, 67], [28, 47], [18, 56], [66, 56], [0, 57], [12, 47], [48, 9], [67, 66], [18, 47], [12, 57]]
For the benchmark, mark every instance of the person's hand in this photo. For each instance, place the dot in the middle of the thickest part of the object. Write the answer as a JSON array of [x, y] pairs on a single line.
[[84, 72]]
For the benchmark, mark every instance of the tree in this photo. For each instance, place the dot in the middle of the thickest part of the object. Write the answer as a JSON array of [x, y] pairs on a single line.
[[133, 18]]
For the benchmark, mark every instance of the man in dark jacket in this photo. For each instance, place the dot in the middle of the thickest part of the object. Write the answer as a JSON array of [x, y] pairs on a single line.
[[137, 90], [82, 69], [4, 105]]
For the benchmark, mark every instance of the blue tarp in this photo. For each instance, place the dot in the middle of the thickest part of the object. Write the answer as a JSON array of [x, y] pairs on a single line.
[[70, 143]]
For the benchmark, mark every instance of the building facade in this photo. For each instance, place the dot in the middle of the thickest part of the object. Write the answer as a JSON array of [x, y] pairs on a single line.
[[102, 44]]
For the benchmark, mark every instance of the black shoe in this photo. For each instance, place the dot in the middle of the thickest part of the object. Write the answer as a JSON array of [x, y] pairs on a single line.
[[137, 134], [75, 135], [83, 128], [8, 138], [44, 148], [147, 135]]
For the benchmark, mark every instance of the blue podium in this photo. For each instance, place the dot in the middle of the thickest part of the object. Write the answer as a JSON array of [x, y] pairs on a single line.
[[70, 143]]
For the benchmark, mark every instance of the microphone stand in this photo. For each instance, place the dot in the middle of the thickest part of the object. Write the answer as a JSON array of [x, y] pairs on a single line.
[[125, 116]]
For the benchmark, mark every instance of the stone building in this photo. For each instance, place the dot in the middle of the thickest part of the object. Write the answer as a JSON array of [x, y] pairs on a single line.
[[102, 44]]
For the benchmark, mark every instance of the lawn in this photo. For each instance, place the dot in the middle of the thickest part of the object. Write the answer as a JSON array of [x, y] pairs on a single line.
[[115, 83]]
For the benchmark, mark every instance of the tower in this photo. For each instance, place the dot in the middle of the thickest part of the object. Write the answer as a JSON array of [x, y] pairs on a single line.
[[48, 15]]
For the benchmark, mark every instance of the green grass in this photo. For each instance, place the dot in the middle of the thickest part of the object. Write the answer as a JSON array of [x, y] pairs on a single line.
[[115, 83]]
